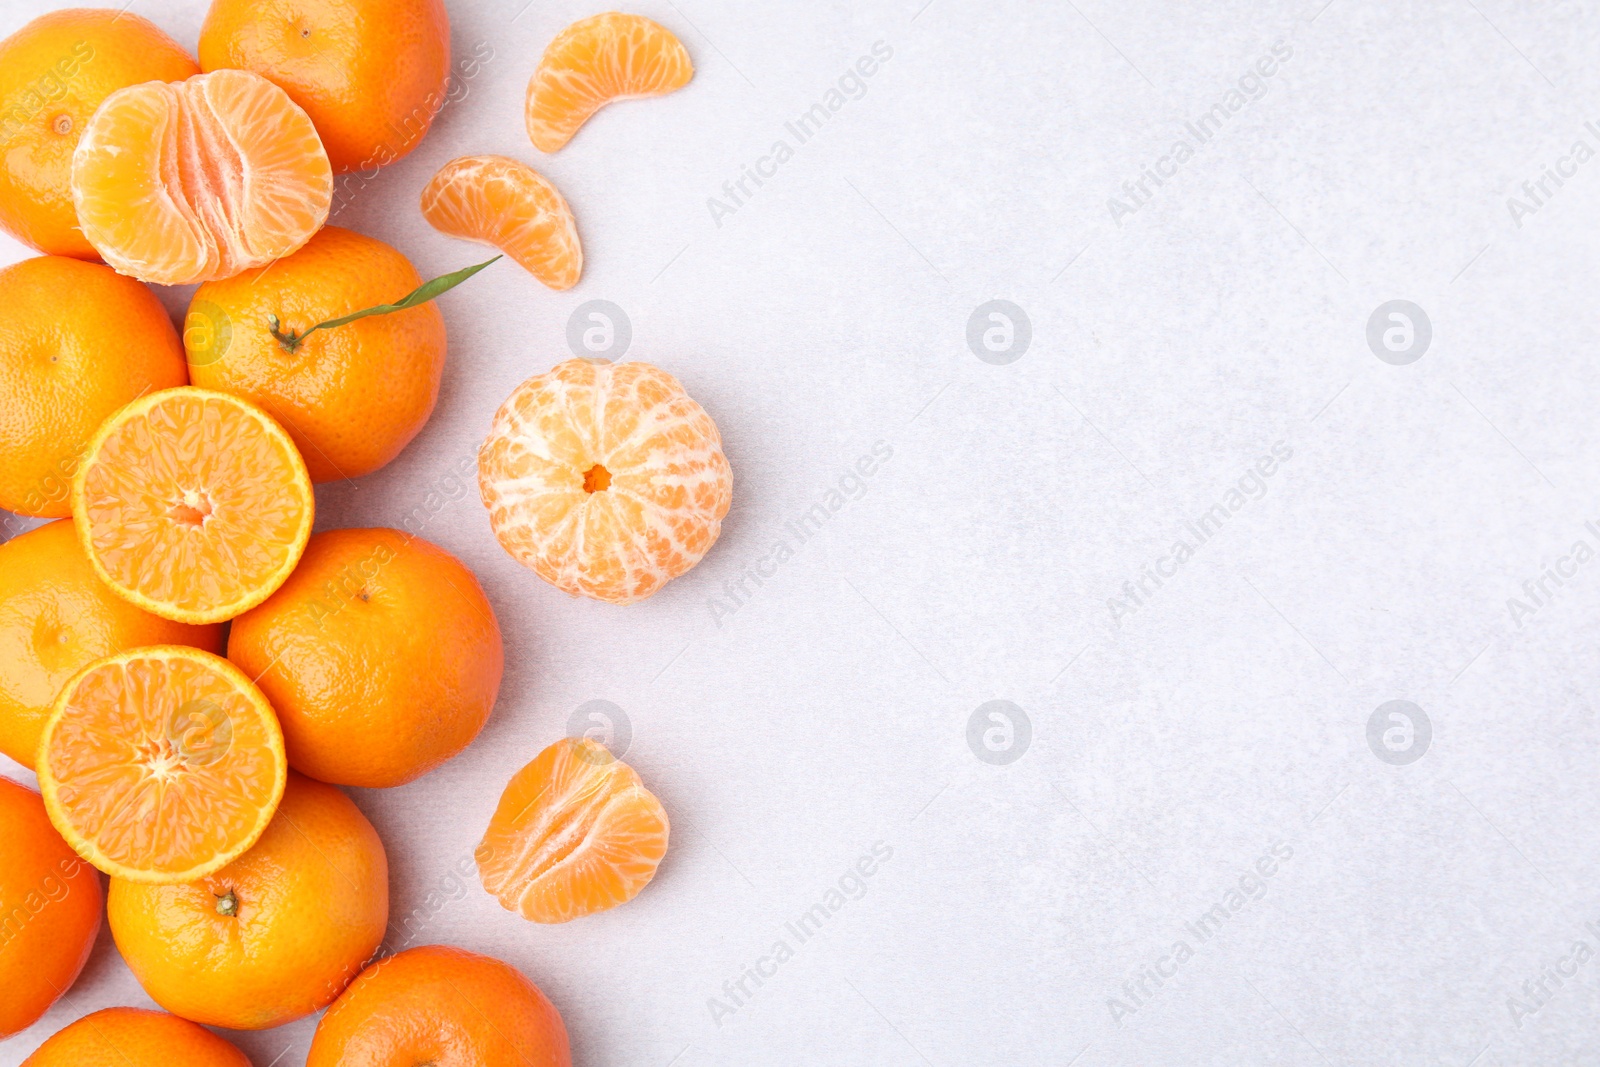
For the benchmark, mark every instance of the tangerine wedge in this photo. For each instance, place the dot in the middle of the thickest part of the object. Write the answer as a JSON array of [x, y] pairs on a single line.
[[192, 504], [576, 832], [161, 764], [595, 61], [181, 182], [606, 479], [500, 202]]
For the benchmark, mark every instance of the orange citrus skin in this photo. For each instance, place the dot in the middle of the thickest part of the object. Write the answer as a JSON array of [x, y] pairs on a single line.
[[56, 617], [188, 181], [445, 1006], [77, 341], [54, 73], [276, 934], [370, 73], [140, 741], [606, 479], [498, 201], [595, 61], [133, 1037], [575, 832], [380, 653], [192, 504], [350, 397], [50, 902]]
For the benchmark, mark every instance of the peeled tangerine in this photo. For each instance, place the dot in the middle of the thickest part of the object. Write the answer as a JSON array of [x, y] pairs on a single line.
[[576, 832], [182, 182], [595, 61], [497, 201], [606, 479]]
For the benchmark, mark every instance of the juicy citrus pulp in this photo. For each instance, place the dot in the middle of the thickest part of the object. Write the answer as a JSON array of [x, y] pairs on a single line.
[[193, 504], [161, 764], [576, 832], [190, 181], [498, 201], [595, 61], [606, 479]]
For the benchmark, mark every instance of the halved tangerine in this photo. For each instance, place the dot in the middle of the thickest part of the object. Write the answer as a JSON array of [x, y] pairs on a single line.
[[192, 504], [595, 61], [181, 182], [161, 764], [501, 202], [606, 479], [576, 832]]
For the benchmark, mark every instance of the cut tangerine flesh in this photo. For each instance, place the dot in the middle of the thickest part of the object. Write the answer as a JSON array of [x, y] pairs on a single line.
[[181, 182], [501, 202], [651, 510], [161, 764], [576, 832], [595, 61], [192, 504]]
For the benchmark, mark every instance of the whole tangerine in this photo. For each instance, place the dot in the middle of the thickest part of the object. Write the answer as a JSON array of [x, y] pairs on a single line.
[[441, 1005], [380, 653], [50, 900], [57, 617], [134, 1037], [351, 397], [54, 73], [276, 934], [371, 73], [77, 342]]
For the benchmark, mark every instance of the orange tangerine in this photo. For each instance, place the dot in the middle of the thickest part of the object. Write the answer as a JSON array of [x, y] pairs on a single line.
[[133, 1037], [54, 73], [192, 504], [190, 181], [371, 73], [576, 832], [606, 479], [595, 61], [77, 341], [161, 764], [50, 907], [497, 201]]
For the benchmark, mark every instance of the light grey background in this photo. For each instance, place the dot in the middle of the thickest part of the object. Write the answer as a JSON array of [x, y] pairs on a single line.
[[1171, 747]]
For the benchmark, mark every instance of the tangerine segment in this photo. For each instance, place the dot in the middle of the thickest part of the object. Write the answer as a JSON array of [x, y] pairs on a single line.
[[576, 832], [192, 504], [608, 480], [501, 202], [595, 61], [181, 182], [161, 764]]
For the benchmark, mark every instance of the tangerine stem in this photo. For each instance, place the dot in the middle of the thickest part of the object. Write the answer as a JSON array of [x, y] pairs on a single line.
[[290, 340]]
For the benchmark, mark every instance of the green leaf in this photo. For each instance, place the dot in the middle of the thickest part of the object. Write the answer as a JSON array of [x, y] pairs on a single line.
[[421, 295]]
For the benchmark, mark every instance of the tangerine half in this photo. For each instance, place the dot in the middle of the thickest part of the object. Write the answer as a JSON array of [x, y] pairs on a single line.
[[192, 504], [161, 764], [182, 182], [606, 479], [576, 832], [598, 60], [497, 201]]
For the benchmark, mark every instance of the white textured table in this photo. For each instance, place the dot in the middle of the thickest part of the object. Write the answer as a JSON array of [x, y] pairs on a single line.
[[1199, 764]]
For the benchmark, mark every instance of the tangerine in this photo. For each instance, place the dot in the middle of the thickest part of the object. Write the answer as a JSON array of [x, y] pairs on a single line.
[[276, 934], [161, 764], [133, 1037], [190, 181], [497, 201], [606, 479]]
